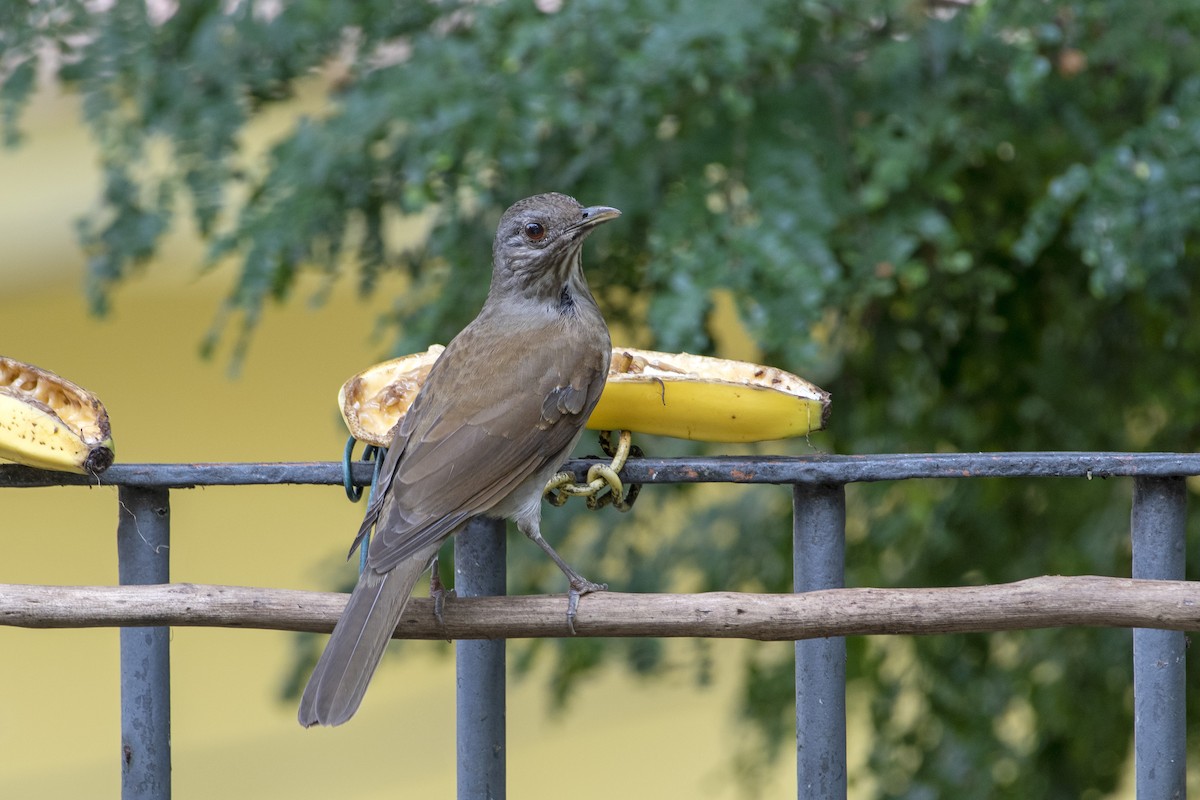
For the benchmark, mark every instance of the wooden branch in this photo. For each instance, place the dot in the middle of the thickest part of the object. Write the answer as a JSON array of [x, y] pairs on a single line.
[[1046, 602]]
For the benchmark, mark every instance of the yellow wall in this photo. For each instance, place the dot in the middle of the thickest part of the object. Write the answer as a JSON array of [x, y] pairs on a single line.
[[232, 737]]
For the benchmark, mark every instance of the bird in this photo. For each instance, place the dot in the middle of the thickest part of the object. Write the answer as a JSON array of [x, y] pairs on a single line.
[[500, 411]]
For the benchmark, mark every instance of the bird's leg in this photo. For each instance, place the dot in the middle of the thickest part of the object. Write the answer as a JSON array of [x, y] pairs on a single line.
[[579, 584], [438, 591]]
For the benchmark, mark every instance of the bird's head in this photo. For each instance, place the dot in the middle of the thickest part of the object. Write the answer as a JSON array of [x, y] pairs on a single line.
[[538, 242]]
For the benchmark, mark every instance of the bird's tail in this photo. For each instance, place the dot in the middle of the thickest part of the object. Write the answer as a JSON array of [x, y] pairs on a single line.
[[355, 648]]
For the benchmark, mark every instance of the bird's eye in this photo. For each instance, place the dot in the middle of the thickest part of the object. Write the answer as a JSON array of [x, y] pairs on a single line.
[[534, 231]]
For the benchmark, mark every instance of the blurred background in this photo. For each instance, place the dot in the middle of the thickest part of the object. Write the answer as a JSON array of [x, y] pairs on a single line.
[[975, 224]]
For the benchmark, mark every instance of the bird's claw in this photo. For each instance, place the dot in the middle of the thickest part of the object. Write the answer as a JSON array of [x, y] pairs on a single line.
[[439, 604], [438, 593], [578, 589]]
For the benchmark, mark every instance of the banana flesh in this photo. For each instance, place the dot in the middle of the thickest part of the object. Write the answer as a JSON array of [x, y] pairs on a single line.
[[374, 400], [50, 423], [665, 394]]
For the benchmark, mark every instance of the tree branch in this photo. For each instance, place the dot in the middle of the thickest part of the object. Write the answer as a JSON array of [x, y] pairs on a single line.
[[1046, 602]]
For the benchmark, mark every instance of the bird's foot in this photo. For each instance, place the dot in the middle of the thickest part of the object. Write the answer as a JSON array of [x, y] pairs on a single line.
[[579, 588], [438, 593]]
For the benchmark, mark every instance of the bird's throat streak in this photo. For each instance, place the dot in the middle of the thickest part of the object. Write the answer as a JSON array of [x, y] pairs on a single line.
[[566, 301]]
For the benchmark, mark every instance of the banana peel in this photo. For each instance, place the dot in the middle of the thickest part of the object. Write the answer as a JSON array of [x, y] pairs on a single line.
[[665, 394], [706, 399], [51, 423]]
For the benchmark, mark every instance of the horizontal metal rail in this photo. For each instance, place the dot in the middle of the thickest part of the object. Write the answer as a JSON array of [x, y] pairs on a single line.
[[1158, 539], [826, 469]]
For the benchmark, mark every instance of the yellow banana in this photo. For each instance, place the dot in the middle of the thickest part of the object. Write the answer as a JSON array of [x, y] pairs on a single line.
[[666, 394], [48, 422], [707, 399]]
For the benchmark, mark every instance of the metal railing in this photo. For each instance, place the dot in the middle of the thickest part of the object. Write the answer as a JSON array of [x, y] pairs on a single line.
[[1158, 523]]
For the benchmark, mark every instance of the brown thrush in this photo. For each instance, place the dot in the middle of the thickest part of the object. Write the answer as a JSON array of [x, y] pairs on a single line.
[[499, 413]]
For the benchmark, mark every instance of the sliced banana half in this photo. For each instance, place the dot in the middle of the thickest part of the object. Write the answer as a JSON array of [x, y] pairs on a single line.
[[665, 394], [706, 399], [48, 422]]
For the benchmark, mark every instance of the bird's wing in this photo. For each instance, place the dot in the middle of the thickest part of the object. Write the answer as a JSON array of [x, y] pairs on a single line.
[[475, 433], [380, 490]]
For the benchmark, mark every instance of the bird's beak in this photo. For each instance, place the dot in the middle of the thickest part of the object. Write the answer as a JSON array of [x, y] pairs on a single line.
[[594, 215]]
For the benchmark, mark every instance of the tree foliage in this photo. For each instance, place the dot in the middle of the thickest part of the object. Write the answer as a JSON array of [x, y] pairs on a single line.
[[976, 223]]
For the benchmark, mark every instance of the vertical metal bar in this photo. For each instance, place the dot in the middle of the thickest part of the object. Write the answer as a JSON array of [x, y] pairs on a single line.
[[479, 570], [1159, 524], [143, 553], [819, 554]]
